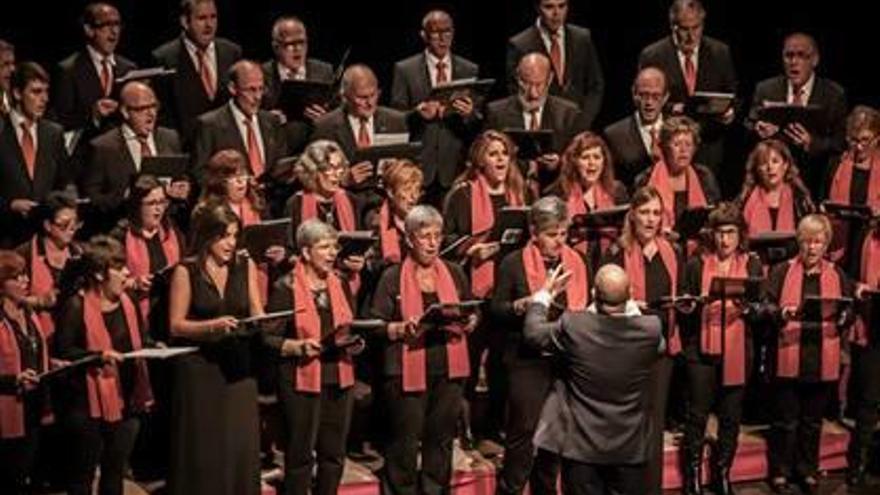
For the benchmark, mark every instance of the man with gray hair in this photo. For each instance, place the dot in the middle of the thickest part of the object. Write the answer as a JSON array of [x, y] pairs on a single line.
[[356, 123], [596, 415], [7, 67]]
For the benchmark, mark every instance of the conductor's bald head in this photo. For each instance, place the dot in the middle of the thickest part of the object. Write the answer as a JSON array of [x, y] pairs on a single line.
[[612, 289]]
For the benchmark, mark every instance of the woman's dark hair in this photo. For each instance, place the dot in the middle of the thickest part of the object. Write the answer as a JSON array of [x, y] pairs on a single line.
[[12, 265], [142, 187], [209, 223], [55, 202], [99, 255], [642, 196], [224, 165], [725, 213], [570, 176]]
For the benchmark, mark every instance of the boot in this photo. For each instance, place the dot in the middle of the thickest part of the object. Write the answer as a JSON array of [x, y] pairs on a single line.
[[721, 480], [723, 454], [693, 471], [858, 466]]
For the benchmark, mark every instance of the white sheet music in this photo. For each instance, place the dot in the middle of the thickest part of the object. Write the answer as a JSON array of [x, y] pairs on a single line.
[[159, 352]]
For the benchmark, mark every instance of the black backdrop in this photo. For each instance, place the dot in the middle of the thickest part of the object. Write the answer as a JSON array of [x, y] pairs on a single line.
[[383, 31]]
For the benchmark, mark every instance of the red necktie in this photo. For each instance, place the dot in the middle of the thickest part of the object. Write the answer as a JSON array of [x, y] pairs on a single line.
[[254, 155], [27, 149], [556, 57], [797, 96], [441, 73], [106, 76], [145, 147], [656, 152], [205, 74], [534, 124], [363, 135], [690, 73]]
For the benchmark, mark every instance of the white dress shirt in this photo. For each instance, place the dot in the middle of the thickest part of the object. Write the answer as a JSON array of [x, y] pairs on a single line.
[[17, 119], [355, 123], [210, 58], [682, 59], [432, 61], [98, 62], [548, 42], [645, 130], [806, 90], [286, 74], [527, 117]]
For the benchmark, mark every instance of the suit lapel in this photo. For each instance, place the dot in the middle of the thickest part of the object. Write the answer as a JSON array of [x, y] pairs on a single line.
[[268, 138], [87, 78], [345, 133], [230, 128], [188, 73], [670, 54], [42, 174], [18, 157], [423, 78], [635, 136], [122, 150]]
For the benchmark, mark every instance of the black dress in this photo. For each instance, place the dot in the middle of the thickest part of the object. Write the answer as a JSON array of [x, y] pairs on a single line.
[[215, 446]]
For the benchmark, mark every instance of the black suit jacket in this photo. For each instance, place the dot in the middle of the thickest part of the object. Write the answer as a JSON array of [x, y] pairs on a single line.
[[584, 82], [217, 130], [715, 71], [77, 87], [182, 94], [50, 173], [826, 93], [596, 411], [335, 127], [629, 152], [296, 131], [443, 140], [111, 167], [560, 116]]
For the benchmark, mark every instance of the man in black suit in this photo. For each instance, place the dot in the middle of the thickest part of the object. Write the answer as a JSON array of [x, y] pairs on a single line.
[[635, 140], [595, 417], [801, 86], [290, 43], [115, 157], [7, 67], [202, 60], [533, 108], [356, 123], [694, 62], [243, 126], [83, 96], [577, 75], [442, 130], [32, 155]]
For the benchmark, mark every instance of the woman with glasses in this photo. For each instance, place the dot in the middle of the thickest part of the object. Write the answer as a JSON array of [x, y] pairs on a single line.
[[48, 252], [24, 354], [215, 427], [101, 403]]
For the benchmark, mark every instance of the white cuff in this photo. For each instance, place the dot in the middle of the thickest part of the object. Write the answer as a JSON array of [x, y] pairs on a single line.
[[542, 297]]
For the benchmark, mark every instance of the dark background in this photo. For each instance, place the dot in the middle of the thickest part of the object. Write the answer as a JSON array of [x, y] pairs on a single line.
[[383, 31]]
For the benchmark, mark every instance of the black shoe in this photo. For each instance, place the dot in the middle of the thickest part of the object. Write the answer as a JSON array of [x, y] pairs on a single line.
[[855, 474], [780, 486], [693, 477], [809, 485]]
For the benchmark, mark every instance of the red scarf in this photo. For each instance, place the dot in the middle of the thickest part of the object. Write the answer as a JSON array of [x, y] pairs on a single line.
[[482, 220], [789, 353], [246, 213], [536, 274], [104, 392], [757, 212], [389, 236], [341, 203], [634, 264], [12, 422], [660, 180], [307, 325], [870, 275], [842, 181], [412, 307], [734, 346], [42, 283], [576, 206], [137, 257]]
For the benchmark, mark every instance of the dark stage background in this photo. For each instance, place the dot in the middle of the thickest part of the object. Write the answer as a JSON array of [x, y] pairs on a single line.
[[383, 31]]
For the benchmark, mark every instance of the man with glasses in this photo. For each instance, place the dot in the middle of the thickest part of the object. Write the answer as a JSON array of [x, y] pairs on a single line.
[[635, 140], [241, 125], [33, 161], [83, 96], [290, 44], [799, 85], [443, 129], [577, 75], [117, 155], [694, 63]]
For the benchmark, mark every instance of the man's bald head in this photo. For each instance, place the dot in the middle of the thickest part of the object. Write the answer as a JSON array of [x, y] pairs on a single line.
[[360, 91], [533, 73], [612, 288], [139, 107], [534, 63], [134, 91], [650, 93]]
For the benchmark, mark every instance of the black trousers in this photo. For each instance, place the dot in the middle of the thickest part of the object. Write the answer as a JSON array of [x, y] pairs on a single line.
[[317, 429], [706, 390], [488, 337], [865, 386], [797, 427], [99, 443], [579, 478], [660, 378], [530, 381], [420, 422], [17, 460]]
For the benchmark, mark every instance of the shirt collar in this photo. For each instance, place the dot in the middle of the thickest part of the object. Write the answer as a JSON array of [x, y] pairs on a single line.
[[546, 32], [807, 88], [287, 74], [238, 115], [642, 125], [17, 118], [129, 134], [98, 59], [631, 309], [193, 49], [432, 60]]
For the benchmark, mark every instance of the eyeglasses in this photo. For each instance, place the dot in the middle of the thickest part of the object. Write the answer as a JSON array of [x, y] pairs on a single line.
[[289, 45], [801, 54], [107, 24], [144, 108], [444, 34], [69, 225], [155, 202]]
